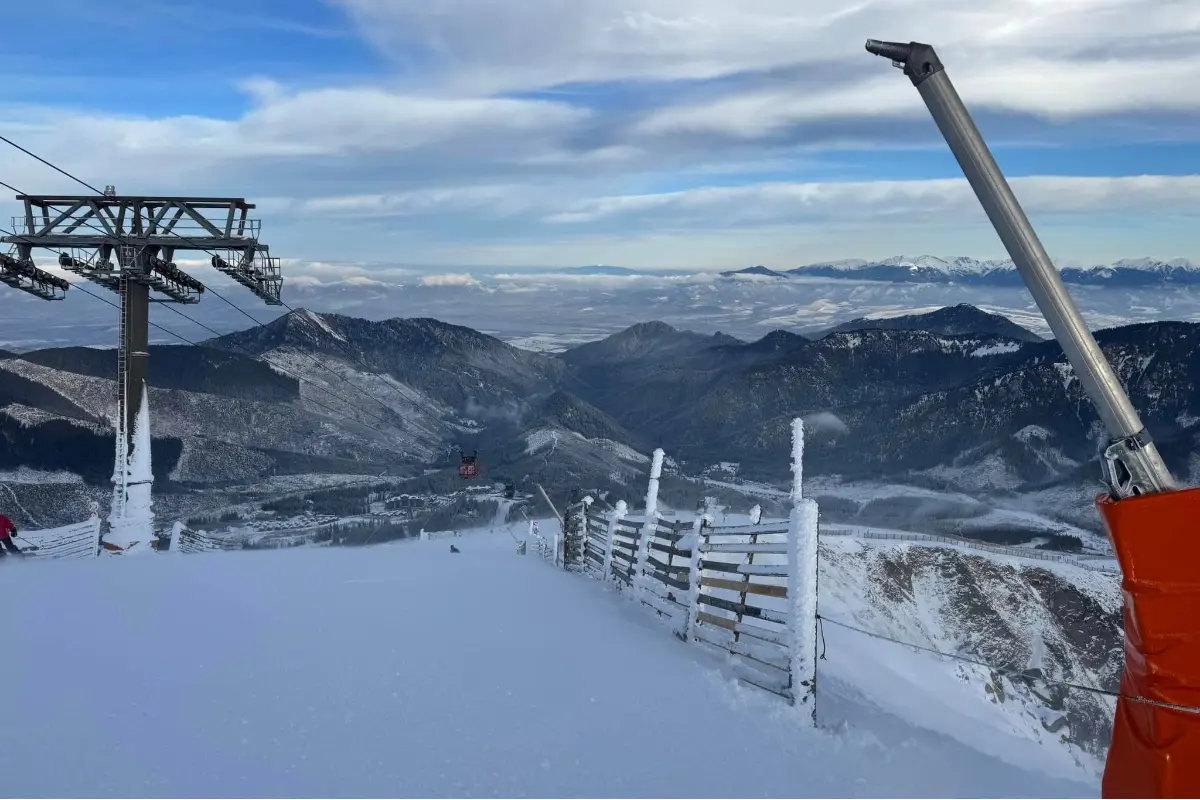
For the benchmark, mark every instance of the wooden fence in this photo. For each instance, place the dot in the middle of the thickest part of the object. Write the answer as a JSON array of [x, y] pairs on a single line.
[[81, 540], [724, 587], [622, 551], [743, 601], [184, 540]]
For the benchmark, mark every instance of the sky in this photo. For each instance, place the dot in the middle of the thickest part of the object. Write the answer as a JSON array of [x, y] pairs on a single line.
[[669, 134]]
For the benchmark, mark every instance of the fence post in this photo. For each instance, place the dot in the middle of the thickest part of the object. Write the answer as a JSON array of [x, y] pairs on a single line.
[[98, 526], [693, 605], [802, 585], [648, 527], [177, 529], [620, 510], [584, 507]]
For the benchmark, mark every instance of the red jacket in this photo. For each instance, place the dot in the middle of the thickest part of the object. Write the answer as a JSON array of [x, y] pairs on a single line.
[[7, 529]]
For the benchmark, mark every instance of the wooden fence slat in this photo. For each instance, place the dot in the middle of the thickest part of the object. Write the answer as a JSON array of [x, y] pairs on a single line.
[[721, 637], [720, 566], [781, 638], [780, 548], [745, 586], [744, 608], [765, 570], [773, 683], [749, 530], [663, 605], [669, 581], [675, 551], [624, 551], [668, 568]]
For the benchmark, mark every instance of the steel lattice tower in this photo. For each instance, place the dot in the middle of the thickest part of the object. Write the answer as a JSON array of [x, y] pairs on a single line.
[[127, 244]]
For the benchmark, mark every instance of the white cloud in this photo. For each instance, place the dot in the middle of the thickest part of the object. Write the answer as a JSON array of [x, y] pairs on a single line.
[[452, 161], [1064, 89], [449, 279], [486, 198], [1066, 56], [288, 131], [888, 200]]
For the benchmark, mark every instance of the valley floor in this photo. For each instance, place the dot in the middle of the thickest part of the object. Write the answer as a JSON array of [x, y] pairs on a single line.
[[405, 670]]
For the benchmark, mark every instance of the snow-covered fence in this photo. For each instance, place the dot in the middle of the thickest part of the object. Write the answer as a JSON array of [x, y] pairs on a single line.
[[742, 604], [574, 538], [429, 536], [81, 540], [541, 545], [747, 589], [185, 540], [666, 575], [595, 540], [625, 540]]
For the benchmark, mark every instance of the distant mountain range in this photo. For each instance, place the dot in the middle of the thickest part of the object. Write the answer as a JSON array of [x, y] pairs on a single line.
[[1127, 273], [958, 398]]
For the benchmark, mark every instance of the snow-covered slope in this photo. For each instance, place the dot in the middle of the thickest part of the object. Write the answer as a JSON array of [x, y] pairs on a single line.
[[1011, 613], [406, 670]]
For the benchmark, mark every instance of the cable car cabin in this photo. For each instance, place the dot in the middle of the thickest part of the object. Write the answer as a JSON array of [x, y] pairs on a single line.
[[468, 468]]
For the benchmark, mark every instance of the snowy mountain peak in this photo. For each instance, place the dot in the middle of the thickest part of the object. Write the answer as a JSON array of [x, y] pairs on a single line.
[[964, 269], [962, 319], [313, 322], [757, 271]]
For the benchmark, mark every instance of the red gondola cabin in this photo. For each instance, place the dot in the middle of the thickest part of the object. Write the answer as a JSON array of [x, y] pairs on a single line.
[[468, 468]]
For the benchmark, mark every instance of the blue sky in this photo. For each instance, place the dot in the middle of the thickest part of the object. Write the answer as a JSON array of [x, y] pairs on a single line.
[[657, 133]]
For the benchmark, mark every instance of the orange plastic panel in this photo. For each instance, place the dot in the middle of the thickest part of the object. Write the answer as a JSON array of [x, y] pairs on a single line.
[[1155, 751]]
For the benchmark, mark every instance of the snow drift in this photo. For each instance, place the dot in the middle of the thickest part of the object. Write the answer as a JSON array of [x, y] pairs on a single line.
[[404, 670]]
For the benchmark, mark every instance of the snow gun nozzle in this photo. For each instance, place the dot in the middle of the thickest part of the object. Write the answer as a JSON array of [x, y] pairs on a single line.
[[893, 51], [918, 60]]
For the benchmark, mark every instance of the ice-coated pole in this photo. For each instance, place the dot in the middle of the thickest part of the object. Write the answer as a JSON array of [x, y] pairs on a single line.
[[1132, 463]]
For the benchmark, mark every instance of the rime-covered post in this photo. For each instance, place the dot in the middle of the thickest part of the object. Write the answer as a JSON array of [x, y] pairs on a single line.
[[648, 528], [802, 585], [131, 520], [99, 527], [706, 517], [619, 511], [584, 506]]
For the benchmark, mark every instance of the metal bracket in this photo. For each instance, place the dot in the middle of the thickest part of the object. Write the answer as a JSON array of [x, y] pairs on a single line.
[[1127, 470]]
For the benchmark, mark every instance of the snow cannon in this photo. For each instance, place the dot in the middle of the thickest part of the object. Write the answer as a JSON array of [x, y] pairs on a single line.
[[1154, 527]]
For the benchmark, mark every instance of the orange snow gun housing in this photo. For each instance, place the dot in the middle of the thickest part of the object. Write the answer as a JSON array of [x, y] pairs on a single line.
[[1154, 527], [1155, 749]]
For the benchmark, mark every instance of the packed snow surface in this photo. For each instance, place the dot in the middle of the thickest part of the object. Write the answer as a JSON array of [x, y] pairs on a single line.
[[406, 670]]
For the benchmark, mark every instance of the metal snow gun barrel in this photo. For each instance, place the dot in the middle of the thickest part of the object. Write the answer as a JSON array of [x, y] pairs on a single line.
[[1153, 526]]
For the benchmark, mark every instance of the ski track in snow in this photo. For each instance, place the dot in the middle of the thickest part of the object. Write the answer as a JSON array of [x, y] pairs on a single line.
[[405, 670]]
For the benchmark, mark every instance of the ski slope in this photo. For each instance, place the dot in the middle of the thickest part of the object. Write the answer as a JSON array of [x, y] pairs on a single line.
[[405, 670]]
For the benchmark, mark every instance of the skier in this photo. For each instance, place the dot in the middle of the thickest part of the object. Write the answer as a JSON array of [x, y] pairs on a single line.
[[454, 549], [7, 531]]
